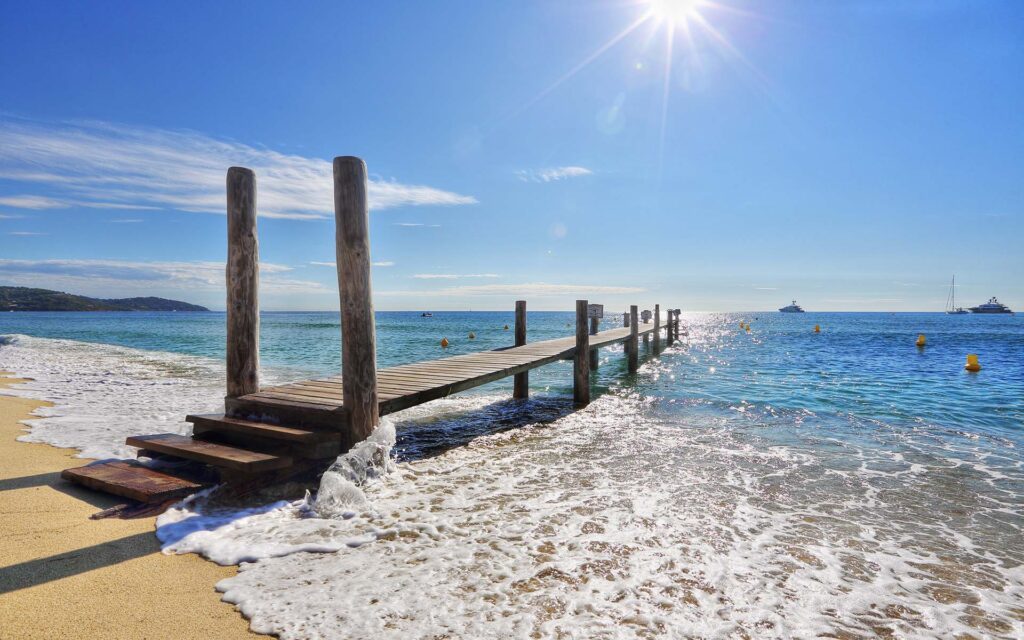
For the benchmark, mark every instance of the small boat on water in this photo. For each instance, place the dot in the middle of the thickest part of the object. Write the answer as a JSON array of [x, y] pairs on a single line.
[[951, 307], [992, 306], [792, 308], [426, 314]]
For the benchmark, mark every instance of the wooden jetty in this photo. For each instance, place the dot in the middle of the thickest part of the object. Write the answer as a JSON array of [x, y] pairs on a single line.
[[269, 434]]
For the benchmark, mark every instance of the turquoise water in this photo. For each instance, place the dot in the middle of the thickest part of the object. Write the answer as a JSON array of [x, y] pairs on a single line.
[[777, 483], [862, 364]]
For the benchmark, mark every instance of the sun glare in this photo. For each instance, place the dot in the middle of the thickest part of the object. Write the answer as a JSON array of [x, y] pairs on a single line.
[[678, 11]]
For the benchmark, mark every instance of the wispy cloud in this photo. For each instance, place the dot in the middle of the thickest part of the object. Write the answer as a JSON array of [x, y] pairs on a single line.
[[123, 275], [416, 224], [126, 220], [767, 288], [453, 276], [112, 166], [8, 216], [382, 263], [552, 174], [537, 289], [26, 233]]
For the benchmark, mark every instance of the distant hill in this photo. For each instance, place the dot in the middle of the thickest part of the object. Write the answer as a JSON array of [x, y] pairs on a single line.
[[28, 299]]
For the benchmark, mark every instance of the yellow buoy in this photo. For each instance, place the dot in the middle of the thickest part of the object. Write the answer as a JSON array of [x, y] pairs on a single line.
[[748, 328], [920, 340], [472, 335], [972, 362], [817, 329], [444, 343]]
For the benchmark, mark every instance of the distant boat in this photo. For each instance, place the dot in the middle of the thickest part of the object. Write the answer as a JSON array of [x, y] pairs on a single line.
[[951, 307], [793, 308], [426, 314], [992, 306]]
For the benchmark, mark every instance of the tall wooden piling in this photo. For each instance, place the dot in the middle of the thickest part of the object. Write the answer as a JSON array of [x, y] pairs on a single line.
[[243, 280], [358, 333], [670, 327], [581, 360], [521, 385], [634, 346], [657, 327], [625, 318], [594, 356]]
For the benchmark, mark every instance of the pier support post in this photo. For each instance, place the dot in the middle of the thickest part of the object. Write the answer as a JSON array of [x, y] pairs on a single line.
[[625, 318], [634, 346], [677, 323], [581, 361], [521, 385], [243, 279], [670, 327], [657, 327], [594, 356], [358, 333]]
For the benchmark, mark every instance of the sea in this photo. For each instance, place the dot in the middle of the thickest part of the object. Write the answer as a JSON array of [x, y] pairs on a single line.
[[776, 483]]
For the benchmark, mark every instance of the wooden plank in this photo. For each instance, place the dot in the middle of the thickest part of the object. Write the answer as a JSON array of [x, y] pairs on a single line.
[[129, 479], [218, 455], [358, 334], [242, 278], [220, 422]]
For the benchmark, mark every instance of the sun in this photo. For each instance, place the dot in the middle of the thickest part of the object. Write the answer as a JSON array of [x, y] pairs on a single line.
[[675, 11]]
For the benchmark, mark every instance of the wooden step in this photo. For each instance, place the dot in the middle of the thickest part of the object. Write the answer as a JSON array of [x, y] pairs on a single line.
[[220, 423], [130, 479], [211, 453]]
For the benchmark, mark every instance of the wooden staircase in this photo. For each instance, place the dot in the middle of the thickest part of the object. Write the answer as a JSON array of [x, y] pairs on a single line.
[[221, 449]]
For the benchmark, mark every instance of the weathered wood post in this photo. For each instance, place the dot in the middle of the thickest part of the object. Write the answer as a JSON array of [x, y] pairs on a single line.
[[521, 385], [670, 327], [677, 323], [625, 318], [634, 347], [358, 333], [581, 361], [242, 276], [657, 327], [594, 356]]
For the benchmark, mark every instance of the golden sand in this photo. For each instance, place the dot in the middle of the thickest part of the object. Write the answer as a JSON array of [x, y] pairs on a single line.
[[63, 575]]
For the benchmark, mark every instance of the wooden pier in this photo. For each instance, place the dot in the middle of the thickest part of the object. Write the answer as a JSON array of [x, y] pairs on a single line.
[[273, 433]]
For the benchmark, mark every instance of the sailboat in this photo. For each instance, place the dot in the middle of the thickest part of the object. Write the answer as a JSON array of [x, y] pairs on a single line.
[[951, 307]]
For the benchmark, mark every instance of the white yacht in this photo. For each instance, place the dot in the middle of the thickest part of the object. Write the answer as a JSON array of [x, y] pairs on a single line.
[[992, 306], [793, 308]]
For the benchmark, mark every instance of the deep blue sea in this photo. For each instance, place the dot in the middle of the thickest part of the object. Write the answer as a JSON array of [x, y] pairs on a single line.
[[776, 483]]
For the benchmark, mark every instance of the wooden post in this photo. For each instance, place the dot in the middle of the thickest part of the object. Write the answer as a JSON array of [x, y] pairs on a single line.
[[625, 318], [634, 347], [677, 324], [358, 333], [243, 282], [594, 356], [521, 386], [657, 327], [670, 327], [581, 361]]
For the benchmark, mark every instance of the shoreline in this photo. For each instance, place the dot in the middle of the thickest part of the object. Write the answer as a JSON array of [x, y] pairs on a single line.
[[64, 575]]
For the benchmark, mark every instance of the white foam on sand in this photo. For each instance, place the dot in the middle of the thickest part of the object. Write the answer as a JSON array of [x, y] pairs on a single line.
[[614, 522]]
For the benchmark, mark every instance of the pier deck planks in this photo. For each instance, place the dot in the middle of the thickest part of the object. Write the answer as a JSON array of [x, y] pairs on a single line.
[[412, 384]]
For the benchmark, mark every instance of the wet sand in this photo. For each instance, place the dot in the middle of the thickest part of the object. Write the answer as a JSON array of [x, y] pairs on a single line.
[[63, 575]]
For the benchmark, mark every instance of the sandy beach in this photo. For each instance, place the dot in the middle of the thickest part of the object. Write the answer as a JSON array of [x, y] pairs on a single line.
[[63, 575]]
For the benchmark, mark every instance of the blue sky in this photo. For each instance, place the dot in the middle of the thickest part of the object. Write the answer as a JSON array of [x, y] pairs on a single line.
[[851, 155]]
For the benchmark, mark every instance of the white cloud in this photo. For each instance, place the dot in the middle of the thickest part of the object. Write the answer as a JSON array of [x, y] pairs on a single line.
[[26, 233], [416, 224], [7, 216], [382, 263], [126, 220], [111, 276], [527, 289], [453, 276], [111, 166], [552, 174]]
